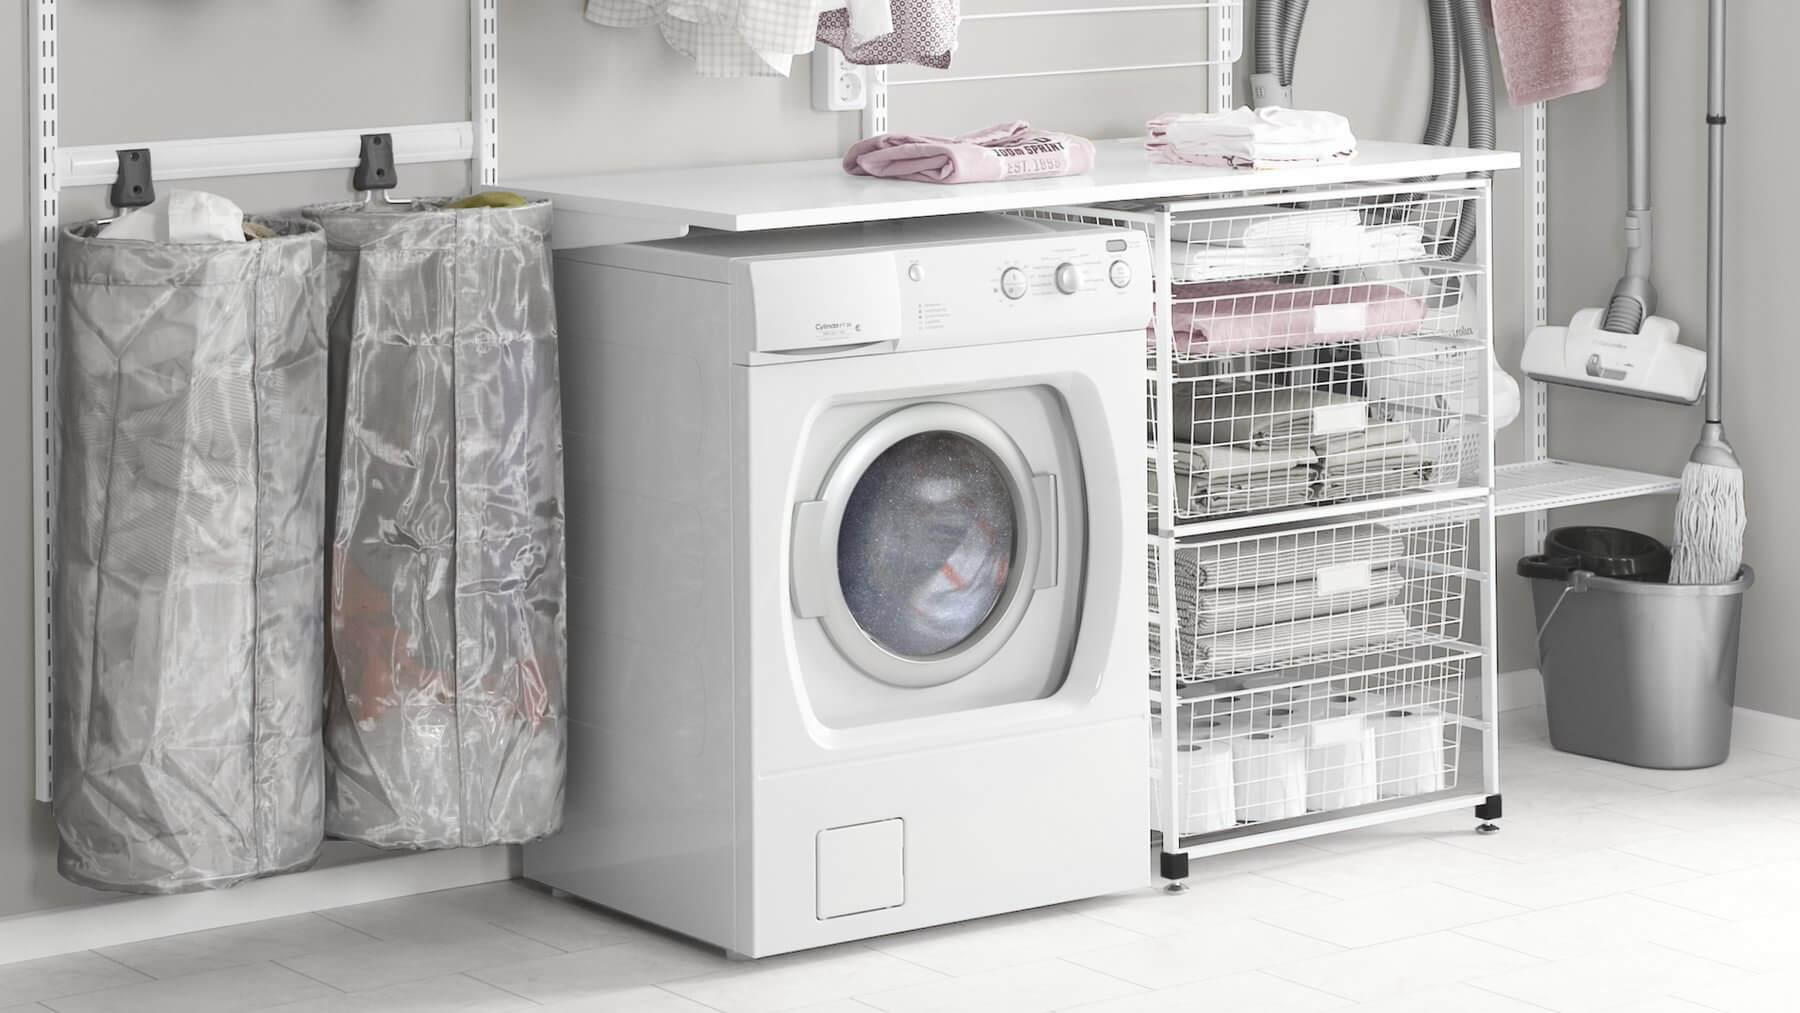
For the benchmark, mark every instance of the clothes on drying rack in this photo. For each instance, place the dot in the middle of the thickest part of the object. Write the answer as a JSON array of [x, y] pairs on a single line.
[[1204, 656], [916, 31], [1005, 151], [1226, 318], [1268, 138]]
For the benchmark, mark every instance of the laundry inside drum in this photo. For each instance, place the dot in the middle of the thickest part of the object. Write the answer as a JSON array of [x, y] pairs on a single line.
[[927, 544]]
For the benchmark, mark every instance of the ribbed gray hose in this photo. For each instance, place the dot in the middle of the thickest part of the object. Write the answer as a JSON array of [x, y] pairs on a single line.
[[1291, 25], [1440, 124], [1478, 82], [1268, 29]]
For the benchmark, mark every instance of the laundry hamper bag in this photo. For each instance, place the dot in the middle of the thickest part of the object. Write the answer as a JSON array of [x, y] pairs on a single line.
[[445, 722], [189, 573]]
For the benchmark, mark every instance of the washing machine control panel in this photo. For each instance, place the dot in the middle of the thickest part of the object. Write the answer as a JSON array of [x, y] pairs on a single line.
[[1058, 283]]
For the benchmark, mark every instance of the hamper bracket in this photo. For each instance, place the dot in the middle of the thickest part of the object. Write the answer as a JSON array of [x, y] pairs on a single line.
[[134, 187], [375, 168]]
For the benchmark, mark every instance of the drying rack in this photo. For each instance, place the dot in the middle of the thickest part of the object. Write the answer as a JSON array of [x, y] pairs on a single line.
[[55, 167]]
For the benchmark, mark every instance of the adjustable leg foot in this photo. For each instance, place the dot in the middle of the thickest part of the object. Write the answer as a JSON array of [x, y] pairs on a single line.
[[1175, 870], [1487, 812]]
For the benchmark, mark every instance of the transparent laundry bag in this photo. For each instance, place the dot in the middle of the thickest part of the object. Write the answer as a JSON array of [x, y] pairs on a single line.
[[445, 724], [189, 559]]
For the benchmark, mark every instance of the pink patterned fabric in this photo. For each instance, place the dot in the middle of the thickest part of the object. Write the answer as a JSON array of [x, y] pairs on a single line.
[[924, 33], [1004, 151], [1230, 317]]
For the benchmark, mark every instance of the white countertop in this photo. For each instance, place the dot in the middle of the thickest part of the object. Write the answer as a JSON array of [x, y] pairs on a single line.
[[622, 206]]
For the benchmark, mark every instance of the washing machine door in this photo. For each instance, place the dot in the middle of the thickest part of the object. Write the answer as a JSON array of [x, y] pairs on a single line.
[[922, 553]]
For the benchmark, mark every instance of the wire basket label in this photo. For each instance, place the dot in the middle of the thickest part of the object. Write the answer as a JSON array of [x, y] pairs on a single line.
[[1342, 578]]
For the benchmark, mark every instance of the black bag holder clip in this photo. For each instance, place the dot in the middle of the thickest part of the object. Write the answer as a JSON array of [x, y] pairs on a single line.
[[375, 168], [133, 187]]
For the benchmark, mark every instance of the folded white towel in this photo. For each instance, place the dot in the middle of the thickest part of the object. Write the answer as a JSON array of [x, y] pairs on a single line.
[[1197, 262], [1252, 138], [1382, 244], [1276, 227]]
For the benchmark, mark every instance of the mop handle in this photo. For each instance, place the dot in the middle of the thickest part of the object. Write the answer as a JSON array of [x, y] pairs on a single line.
[[1715, 209]]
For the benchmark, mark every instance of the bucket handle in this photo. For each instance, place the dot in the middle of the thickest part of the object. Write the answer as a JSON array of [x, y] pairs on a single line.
[[1577, 581]]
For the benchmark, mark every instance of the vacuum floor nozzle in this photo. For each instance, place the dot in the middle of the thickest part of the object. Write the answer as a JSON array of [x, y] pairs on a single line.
[[1651, 363]]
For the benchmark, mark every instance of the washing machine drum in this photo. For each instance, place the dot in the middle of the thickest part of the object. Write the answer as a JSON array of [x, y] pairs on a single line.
[[927, 546]]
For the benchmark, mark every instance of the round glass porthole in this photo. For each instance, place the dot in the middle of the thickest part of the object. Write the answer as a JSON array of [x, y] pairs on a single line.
[[927, 544]]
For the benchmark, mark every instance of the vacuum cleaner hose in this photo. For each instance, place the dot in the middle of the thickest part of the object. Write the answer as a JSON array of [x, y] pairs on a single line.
[[1440, 123]]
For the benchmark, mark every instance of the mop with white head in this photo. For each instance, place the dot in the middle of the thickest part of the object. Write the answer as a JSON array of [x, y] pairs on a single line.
[[1709, 516]]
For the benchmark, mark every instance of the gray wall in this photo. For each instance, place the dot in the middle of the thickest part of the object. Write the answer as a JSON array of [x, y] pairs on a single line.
[[1587, 159]]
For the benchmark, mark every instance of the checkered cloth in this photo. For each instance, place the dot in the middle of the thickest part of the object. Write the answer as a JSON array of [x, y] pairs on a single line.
[[924, 33], [724, 38]]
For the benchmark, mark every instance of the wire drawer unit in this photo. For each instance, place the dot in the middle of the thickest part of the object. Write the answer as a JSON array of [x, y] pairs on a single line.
[[1320, 517]]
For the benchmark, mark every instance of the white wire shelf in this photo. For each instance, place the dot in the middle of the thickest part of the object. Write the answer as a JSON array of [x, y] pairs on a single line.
[[1552, 484]]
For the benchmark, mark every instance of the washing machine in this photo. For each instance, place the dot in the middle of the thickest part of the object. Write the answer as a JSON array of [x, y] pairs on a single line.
[[856, 577]]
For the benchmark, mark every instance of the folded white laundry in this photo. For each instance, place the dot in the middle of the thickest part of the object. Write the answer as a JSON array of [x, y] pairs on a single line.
[[1379, 244], [1233, 227], [1252, 138], [1198, 262]]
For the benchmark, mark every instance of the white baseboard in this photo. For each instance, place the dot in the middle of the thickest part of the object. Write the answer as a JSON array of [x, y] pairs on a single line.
[[1757, 730], [129, 920], [1765, 732]]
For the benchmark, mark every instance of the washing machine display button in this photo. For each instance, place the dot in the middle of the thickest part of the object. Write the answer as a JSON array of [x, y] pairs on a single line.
[[1068, 278], [915, 272], [1012, 283], [1119, 274]]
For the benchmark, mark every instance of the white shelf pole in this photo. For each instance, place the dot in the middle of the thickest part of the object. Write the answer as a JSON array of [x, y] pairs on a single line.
[[1537, 275], [484, 91], [44, 190]]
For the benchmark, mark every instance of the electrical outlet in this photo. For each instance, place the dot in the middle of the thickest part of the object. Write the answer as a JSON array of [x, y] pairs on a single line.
[[837, 85]]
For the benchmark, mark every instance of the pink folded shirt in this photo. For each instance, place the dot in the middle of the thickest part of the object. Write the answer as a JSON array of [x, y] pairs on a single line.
[[1001, 152], [1230, 317]]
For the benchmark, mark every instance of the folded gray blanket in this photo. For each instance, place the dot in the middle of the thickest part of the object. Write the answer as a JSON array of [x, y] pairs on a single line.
[[1213, 412], [1240, 608], [1275, 490], [1278, 559], [1206, 656]]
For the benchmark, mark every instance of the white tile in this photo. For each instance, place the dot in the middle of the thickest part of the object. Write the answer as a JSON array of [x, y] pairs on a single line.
[[1763, 993], [987, 943], [562, 922], [1790, 777], [782, 983], [1762, 892], [1381, 972], [1025, 988], [607, 969], [1550, 792], [1259, 859], [1413, 911], [836, 1006], [1423, 828], [1206, 902], [1557, 933], [1446, 999], [380, 964], [1738, 845], [1165, 961], [1663, 1004], [1741, 764], [1716, 804], [648, 999], [1527, 838], [1523, 724], [1382, 870], [1615, 978], [173, 956], [234, 989], [1552, 882], [30, 981], [1253, 990], [1756, 945], [455, 993]]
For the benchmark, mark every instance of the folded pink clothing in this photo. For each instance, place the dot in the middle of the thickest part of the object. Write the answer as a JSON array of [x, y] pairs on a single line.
[[1552, 48], [1004, 151], [1253, 315]]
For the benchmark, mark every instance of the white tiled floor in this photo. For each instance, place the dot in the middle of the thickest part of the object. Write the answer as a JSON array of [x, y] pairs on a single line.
[[1608, 888]]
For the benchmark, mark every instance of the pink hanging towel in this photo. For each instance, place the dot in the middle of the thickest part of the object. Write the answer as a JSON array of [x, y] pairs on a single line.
[[1005, 151], [924, 32], [1552, 48]]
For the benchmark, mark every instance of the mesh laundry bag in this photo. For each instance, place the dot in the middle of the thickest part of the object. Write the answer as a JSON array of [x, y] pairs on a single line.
[[190, 559], [445, 723]]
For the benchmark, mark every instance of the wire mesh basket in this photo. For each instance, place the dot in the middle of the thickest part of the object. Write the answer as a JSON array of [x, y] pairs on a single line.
[[1316, 739], [1272, 599]]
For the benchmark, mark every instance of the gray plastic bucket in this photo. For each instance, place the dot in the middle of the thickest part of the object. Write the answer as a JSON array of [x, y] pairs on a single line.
[[1636, 672]]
